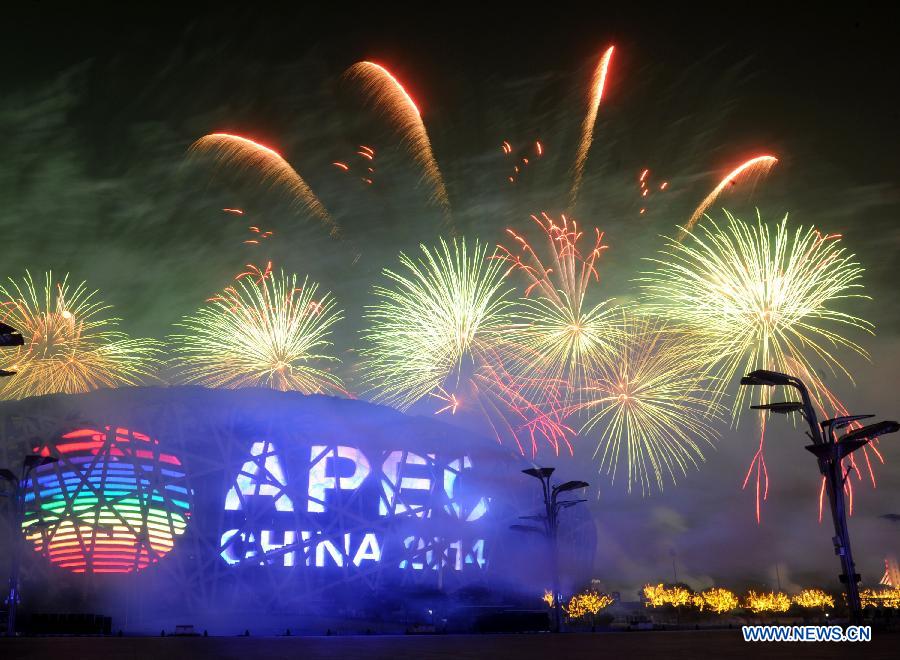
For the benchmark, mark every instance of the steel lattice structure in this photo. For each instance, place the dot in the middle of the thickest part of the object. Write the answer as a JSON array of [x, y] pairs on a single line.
[[258, 503]]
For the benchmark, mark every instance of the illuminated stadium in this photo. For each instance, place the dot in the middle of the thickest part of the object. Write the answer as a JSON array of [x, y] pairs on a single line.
[[256, 508]]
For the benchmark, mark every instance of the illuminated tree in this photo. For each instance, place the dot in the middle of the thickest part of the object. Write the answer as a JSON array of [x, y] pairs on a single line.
[[758, 603], [716, 599], [587, 604], [886, 598], [660, 595], [811, 598]]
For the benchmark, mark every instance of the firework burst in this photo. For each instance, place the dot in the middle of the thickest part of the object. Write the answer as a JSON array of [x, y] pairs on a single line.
[[244, 154], [762, 297], [444, 308], [439, 332], [650, 405], [261, 332], [565, 337], [389, 97], [69, 345]]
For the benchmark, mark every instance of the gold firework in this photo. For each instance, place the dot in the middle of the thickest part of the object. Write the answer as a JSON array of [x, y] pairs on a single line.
[[244, 154], [755, 166], [763, 297], [650, 405], [561, 337], [389, 97], [264, 332], [69, 345], [598, 84], [444, 309]]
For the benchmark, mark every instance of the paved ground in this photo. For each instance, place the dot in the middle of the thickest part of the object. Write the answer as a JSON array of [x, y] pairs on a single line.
[[708, 645]]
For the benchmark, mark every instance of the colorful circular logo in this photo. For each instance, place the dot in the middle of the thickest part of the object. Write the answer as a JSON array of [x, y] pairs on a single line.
[[113, 503]]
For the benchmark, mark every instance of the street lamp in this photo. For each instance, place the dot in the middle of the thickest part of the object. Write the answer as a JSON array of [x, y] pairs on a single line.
[[9, 337], [550, 528], [829, 450], [18, 484]]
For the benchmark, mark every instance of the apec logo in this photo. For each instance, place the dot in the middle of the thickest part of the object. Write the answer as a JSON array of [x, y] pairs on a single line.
[[341, 508]]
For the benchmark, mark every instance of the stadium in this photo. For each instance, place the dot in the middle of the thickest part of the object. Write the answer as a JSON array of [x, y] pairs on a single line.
[[263, 510]]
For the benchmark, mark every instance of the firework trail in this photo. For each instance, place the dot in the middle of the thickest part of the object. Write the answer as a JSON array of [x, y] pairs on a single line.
[[261, 332], [388, 96], [587, 127], [759, 165], [761, 297], [651, 405], [566, 338], [243, 154], [70, 346]]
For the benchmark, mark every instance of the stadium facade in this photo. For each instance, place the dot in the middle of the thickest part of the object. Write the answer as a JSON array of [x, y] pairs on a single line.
[[251, 508]]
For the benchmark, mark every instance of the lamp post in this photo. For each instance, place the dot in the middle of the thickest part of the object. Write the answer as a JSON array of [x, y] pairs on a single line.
[[19, 485], [9, 337], [550, 529], [829, 451]]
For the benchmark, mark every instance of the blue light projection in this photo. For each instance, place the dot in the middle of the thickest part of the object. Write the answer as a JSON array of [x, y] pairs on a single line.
[[333, 507]]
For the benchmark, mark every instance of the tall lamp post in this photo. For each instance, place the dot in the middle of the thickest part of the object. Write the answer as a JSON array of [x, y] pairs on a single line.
[[19, 487], [10, 337], [830, 451], [550, 528]]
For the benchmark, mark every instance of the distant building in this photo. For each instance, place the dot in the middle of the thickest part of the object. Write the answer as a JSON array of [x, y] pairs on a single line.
[[891, 572]]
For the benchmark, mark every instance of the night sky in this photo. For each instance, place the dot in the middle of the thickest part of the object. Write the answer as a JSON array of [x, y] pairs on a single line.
[[99, 105]]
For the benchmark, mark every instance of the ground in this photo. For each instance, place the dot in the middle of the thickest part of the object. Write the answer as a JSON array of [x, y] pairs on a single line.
[[668, 645]]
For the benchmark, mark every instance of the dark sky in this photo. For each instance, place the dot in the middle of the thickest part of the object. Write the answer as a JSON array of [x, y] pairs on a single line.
[[99, 104]]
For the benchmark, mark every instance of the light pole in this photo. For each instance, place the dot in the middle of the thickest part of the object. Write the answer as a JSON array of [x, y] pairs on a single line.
[[830, 451], [9, 337], [550, 518], [19, 485]]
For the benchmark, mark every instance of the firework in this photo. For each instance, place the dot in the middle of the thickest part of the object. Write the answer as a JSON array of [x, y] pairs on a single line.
[[587, 127], [69, 345], [388, 96], [758, 166], [531, 411], [566, 337], [239, 152], [261, 332], [443, 309], [650, 404], [522, 159], [439, 331], [762, 297]]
